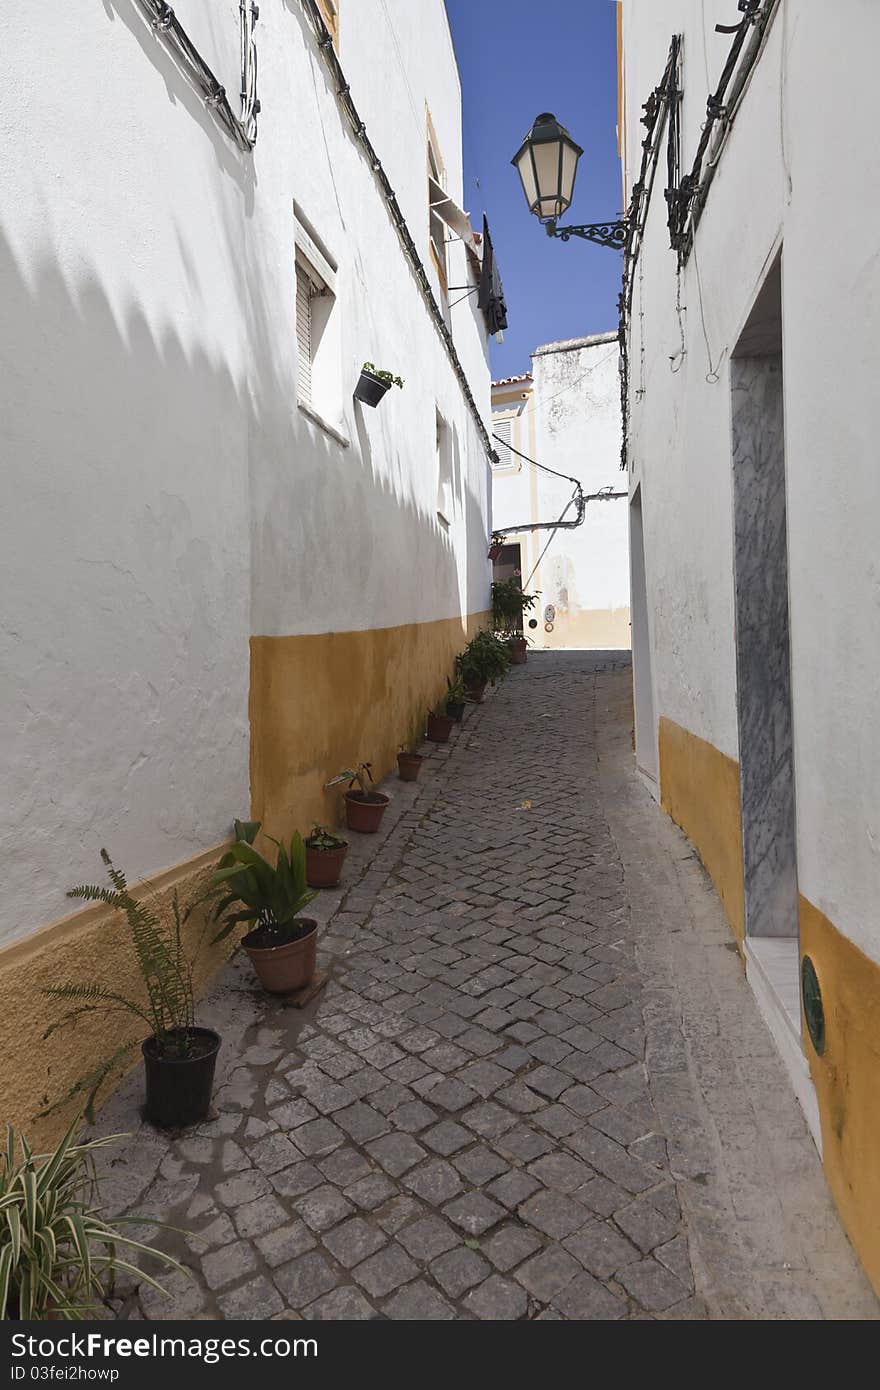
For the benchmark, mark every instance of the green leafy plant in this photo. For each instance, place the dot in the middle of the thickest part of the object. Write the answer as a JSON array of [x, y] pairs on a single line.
[[57, 1255], [456, 690], [265, 896], [355, 777], [167, 975], [382, 375], [322, 838], [485, 660], [509, 604]]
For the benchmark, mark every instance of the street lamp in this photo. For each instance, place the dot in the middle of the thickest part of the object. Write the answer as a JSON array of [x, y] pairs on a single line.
[[547, 163]]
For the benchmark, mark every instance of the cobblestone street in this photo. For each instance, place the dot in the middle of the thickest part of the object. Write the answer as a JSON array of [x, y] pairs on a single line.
[[535, 1086]]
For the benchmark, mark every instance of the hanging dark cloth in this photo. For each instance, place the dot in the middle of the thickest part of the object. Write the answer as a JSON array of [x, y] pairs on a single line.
[[491, 294]]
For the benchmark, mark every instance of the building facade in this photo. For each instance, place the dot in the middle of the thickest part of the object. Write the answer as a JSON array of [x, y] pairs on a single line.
[[565, 415], [227, 579], [752, 312]]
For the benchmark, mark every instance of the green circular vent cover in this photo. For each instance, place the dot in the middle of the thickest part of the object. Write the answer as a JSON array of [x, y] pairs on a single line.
[[814, 1013]]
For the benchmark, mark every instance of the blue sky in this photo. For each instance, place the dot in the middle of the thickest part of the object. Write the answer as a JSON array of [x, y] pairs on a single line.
[[519, 57]]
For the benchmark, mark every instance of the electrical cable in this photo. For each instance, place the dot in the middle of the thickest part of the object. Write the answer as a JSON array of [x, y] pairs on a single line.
[[167, 27], [343, 93], [537, 563], [535, 463]]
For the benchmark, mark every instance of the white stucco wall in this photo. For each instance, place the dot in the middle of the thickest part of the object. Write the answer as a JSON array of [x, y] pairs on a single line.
[[800, 173], [165, 498], [569, 420]]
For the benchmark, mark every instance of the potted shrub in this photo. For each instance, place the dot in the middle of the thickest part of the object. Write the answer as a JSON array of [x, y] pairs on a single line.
[[325, 856], [509, 605], [456, 695], [409, 765], [281, 944], [373, 384], [179, 1058], [439, 727], [364, 808], [58, 1257], [484, 660]]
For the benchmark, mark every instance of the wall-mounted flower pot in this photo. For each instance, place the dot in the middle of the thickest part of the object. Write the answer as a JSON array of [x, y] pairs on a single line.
[[476, 692], [282, 969], [370, 389], [519, 651], [324, 866], [364, 813], [495, 550], [439, 727], [409, 765], [455, 710], [179, 1089]]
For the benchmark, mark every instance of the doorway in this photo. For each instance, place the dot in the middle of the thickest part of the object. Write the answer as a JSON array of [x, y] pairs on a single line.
[[763, 668], [762, 628]]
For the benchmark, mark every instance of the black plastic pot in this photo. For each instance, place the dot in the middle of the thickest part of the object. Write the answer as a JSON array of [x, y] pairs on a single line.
[[455, 710], [370, 389], [179, 1089]]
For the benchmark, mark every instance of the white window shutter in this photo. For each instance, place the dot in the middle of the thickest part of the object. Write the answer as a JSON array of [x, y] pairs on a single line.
[[504, 429], [304, 335]]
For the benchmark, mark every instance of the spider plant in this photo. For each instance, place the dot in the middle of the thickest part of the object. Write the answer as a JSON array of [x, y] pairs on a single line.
[[58, 1255]]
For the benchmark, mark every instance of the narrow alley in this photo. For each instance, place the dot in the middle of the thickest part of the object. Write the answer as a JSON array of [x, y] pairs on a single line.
[[535, 1086]]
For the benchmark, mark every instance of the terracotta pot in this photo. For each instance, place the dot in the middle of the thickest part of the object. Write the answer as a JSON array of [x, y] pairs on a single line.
[[324, 866], [439, 727], [409, 765], [495, 550], [519, 651], [476, 693], [282, 969], [455, 710], [364, 813], [179, 1088]]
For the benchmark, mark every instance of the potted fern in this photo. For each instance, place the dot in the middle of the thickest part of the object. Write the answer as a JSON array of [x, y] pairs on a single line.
[[58, 1257], [281, 944], [179, 1058], [374, 383], [325, 856], [364, 808]]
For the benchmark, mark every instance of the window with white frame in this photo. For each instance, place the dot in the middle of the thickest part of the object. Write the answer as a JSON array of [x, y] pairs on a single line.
[[436, 224], [445, 488], [318, 384]]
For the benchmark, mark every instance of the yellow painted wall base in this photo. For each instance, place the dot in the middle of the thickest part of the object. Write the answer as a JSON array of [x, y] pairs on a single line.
[[322, 703], [587, 629], [699, 789], [92, 946], [847, 1079]]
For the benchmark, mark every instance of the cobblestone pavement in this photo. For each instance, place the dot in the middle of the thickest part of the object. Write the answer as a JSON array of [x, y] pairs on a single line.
[[464, 1123]]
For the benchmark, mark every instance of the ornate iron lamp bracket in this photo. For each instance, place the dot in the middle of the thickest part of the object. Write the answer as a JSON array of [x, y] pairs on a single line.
[[610, 234]]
